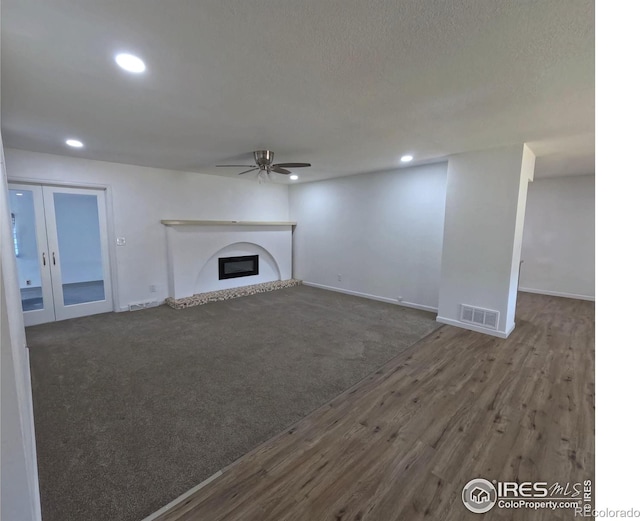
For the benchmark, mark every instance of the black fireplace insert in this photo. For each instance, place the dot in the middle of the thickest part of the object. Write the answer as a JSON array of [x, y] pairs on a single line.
[[232, 267]]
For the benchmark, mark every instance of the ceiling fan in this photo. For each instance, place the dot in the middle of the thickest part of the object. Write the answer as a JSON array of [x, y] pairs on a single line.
[[264, 164]]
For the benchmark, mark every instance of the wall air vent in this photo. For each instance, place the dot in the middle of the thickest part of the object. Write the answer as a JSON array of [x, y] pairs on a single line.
[[480, 317]]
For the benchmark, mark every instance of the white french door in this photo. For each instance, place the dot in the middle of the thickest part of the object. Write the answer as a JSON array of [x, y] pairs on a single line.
[[60, 242]]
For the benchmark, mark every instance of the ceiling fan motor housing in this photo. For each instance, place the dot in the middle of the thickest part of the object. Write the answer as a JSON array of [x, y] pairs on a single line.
[[263, 157]]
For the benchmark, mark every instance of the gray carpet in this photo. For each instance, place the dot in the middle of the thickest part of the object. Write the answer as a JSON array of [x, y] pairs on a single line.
[[133, 409]]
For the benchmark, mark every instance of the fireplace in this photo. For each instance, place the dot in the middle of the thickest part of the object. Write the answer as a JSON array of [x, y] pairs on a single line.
[[233, 267], [195, 248]]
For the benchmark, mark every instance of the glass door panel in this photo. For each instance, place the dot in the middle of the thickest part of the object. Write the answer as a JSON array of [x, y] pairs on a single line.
[[25, 245], [79, 250], [31, 251]]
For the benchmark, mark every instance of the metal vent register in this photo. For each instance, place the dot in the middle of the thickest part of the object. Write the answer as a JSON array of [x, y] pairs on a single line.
[[480, 317]]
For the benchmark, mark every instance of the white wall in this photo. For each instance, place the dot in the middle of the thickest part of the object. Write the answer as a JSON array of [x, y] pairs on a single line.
[[558, 247], [381, 232], [19, 492], [15, 502], [526, 178], [486, 197], [139, 197]]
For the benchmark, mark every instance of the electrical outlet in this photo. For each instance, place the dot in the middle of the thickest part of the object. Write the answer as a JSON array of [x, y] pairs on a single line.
[[153, 288], [400, 299], [121, 241], [339, 278]]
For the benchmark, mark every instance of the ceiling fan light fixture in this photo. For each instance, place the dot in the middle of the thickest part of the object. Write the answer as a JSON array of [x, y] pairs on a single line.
[[263, 176], [293, 177]]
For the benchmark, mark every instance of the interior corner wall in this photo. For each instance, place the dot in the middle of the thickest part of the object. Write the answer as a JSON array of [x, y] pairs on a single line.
[[480, 246], [18, 496], [558, 246], [138, 198], [377, 235], [526, 177], [19, 490]]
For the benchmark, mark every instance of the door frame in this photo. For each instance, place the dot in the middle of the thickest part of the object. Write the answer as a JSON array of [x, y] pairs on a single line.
[[62, 310], [110, 218]]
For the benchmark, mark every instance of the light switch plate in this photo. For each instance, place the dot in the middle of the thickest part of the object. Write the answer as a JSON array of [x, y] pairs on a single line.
[[120, 241]]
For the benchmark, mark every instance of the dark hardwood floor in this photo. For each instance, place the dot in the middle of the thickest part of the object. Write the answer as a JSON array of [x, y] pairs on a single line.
[[402, 443]]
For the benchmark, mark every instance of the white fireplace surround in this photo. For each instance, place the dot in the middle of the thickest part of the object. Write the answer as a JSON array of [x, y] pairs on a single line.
[[194, 247]]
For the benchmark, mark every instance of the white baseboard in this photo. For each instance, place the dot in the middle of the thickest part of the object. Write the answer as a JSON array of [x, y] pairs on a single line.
[[148, 304], [477, 329], [558, 294], [372, 297]]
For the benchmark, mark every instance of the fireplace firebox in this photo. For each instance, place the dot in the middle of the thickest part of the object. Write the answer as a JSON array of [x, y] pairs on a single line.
[[232, 267]]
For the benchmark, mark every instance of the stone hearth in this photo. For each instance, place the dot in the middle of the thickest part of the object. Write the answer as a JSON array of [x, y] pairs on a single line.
[[226, 294]]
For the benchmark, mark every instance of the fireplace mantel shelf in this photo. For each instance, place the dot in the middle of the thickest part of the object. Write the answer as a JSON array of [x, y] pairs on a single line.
[[172, 222]]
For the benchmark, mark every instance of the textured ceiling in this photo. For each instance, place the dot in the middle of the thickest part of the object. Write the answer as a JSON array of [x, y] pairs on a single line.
[[348, 86]]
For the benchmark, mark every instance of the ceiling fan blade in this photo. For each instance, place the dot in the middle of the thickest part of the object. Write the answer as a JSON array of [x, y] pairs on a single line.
[[238, 166], [247, 171], [279, 170], [293, 165]]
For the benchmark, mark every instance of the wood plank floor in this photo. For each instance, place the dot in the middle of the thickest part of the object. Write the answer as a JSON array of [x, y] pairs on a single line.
[[402, 443]]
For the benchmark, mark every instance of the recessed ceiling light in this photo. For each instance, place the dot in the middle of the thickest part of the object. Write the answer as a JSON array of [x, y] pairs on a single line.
[[407, 158], [130, 63], [293, 177], [74, 143], [19, 193]]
